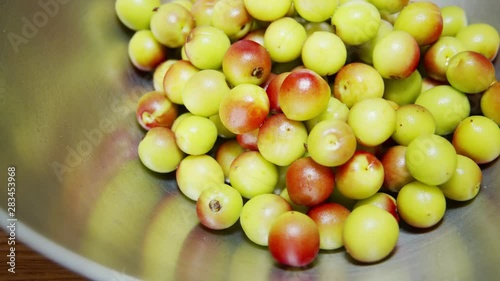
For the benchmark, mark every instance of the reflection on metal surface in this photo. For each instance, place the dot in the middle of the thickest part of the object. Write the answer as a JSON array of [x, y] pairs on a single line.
[[68, 98]]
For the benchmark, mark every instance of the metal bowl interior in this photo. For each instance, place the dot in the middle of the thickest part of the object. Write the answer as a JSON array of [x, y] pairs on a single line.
[[68, 94]]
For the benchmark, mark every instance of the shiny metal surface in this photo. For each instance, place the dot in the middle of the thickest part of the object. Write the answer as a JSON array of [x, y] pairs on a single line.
[[67, 99]]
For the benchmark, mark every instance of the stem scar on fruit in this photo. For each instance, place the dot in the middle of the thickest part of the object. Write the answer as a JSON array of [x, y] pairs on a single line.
[[258, 72], [214, 205]]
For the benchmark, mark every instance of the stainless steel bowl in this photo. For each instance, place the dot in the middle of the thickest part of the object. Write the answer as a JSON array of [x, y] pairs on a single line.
[[67, 97]]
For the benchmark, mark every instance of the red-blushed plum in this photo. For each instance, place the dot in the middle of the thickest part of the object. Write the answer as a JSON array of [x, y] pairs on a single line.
[[295, 207], [281, 140], [294, 239], [171, 23], [258, 215], [404, 90], [207, 170], [157, 144], [382, 200], [396, 55], [480, 37], [308, 182], [361, 176], [248, 140], [204, 91], [219, 207], [246, 62], [226, 153], [324, 53], [470, 72], [205, 47], [478, 138], [423, 20], [356, 22], [465, 183], [303, 95], [454, 19], [373, 120], [252, 175], [448, 105], [356, 81], [136, 14], [144, 51], [330, 218], [396, 174], [331, 143], [176, 78], [196, 135], [431, 159], [232, 17], [159, 74], [336, 110], [202, 11], [370, 234], [412, 120], [284, 38], [154, 109], [438, 55], [421, 205], [490, 102], [272, 91], [264, 10], [244, 108]]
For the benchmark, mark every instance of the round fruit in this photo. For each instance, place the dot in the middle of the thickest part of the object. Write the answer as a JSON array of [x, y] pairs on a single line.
[[478, 138], [356, 22], [330, 218], [258, 215], [196, 135], [308, 182], [264, 10], [294, 239], [373, 121], [315, 10], [431, 159], [219, 207], [154, 109], [470, 72], [421, 205], [158, 150], [370, 234], [252, 175], [324, 53], [448, 106], [480, 37], [331, 143], [490, 102], [396, 174], [171, 24], [466, 181], [207, 170], [454, 19], [144, 51], [284, 38], [412, 120], [205, 47], [422, 20], [136, 14]]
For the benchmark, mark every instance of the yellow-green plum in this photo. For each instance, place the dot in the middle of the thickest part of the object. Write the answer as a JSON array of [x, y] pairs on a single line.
[[480, 37], [412, 120], [226, 153], [208, 173], [356, 22], [219, 207], [421, 205], [490, 102], [171, 24], [205, 47], [478, 138], [315, 10], [176, 78], [259, 213], [269, 11], [336, 110], [284, 38], [448, 105], [403, 91], [330, 218], [356, 81], [158, 150], [145, 52], [437, 57], [465, 183], [324, 53], [373, 121], [431, 159], [196, 135], [136, 14], [454, 19], [232, 17]]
